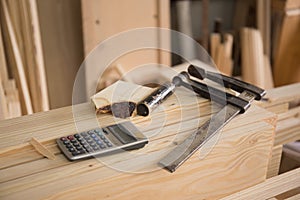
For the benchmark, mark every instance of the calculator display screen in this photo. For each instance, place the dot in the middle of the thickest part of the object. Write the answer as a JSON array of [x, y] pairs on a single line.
[[122, 134]]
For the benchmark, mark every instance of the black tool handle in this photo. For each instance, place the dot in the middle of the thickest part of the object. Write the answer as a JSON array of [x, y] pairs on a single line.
[[228, 82], [216, 95]]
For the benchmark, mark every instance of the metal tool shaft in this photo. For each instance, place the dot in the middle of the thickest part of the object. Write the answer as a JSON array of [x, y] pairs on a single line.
[[196, 140]]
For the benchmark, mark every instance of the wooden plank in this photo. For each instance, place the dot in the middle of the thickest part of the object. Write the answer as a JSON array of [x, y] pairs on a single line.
[[3, 104], [286, 4], [34, 60], [286, 65], [19, 67], [93, 175], [295, 197], [215, 40], [274, 162], [204, 23], [269, 82], [97, 19], [3, 67], [280, 95], [287, 131], [263, 9], [61, 37], [252, 57], [52, 179], [271, 187], [13, 103], [164, 21]]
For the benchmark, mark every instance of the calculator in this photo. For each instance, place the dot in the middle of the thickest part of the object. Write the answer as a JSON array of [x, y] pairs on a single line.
[[102, 141]]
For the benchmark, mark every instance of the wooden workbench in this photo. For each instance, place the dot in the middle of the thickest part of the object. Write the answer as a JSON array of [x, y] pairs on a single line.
[[233, 160]]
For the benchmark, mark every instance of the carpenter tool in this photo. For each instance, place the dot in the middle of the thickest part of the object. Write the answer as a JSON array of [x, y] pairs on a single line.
[[151, 102], [233, 106]]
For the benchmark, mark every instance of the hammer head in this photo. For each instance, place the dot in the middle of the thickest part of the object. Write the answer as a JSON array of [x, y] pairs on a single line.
[[181, 77]]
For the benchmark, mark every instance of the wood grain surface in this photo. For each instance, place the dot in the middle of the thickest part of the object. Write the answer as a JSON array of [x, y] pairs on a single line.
[[235, 159]]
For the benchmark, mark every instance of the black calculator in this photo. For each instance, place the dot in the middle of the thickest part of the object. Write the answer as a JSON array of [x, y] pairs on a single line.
[[101, 141]]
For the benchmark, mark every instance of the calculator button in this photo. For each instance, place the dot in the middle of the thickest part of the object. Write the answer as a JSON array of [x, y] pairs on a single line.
[[77, 135], [89, 140], [70, 137], [76, 144], [93, 135], [73, 141], [96, 139], [89, 149], [109, 144], [90, 132], [69, 146], [66, 142], [96, 148], [93, 144], [102, 137], [84, 134], [79, 148], [71, 149], [106, 141], [81, 151], [63, 139], [83, 142], [75, 153], [102, 146], [99, 142]]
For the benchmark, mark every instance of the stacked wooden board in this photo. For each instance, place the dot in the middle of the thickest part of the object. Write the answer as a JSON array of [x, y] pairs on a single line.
[[256, 67], [286, 41], [22, 55], [9, 97], [221, 52], [235, 159], [283, 101]]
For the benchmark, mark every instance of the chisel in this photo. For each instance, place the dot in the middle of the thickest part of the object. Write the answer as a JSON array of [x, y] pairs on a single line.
[[234, 106]]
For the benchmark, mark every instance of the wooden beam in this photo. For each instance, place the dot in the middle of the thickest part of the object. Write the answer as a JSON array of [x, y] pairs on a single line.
[[19, 67], [3, 103], [274, 162], [3, 66], [34, 60], [252, 57], [271, 187]]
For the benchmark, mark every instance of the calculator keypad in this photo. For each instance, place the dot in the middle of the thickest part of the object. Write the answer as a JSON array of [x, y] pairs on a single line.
[[102, 141], [86, 142]]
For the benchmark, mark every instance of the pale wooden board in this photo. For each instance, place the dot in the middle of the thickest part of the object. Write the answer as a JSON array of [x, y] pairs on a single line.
[[269, 82], [271, 187], [215, 40], [263, 18], [281, 95], [33, 56], [100, 174], [274, 162], [252, 57], [3, 67], [16, 58], [62, 42], [286, 65], [40, 178], [287, 130], [98, 17], [3, 103]]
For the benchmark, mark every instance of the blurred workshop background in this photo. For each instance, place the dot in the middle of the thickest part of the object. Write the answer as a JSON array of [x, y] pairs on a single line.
[[44, 42]]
